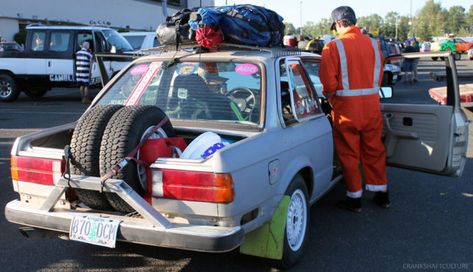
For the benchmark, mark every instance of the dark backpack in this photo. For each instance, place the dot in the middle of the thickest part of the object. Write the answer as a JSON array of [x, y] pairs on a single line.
[[246, 24]]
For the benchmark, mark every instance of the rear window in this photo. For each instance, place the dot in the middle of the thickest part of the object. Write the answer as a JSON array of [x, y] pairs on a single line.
[[223, 91]]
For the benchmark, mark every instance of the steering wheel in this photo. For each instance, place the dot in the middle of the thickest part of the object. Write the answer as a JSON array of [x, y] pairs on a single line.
[[244, 98]]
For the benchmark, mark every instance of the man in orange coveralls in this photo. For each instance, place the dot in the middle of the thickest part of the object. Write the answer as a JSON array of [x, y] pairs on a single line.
[[351, 73]]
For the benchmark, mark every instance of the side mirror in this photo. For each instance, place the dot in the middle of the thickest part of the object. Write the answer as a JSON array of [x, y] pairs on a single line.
[[113, 49], [385, 92]]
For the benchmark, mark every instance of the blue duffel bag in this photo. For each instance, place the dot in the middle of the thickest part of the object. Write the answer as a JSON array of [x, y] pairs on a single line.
[[246, 24]]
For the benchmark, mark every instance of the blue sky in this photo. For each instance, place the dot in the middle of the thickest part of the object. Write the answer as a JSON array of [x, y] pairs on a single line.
[[314, 10]]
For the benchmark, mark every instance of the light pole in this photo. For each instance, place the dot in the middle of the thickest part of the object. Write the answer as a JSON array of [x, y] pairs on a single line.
[[300, 17], [410, 19]]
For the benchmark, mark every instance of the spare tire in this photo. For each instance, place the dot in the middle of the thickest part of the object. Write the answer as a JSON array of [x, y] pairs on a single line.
[[123, 133], [85, 150]]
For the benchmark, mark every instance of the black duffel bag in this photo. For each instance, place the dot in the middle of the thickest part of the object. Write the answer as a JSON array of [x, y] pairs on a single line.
[[176, 29]]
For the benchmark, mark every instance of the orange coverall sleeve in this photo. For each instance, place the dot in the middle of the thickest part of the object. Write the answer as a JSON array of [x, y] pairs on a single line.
[[329, 69]]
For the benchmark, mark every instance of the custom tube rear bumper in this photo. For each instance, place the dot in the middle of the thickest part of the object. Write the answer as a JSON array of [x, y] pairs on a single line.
[[134, 230]]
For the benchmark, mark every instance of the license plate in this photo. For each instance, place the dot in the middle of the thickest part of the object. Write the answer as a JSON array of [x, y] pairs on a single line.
[[94, 230]]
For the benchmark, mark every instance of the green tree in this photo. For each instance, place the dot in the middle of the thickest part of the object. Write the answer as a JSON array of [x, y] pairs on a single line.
[[456, 19], [289, 29], [372, 23], [469, 21], [20, 37], [389, 26], [430, 21], [403, 28], [317, 29]]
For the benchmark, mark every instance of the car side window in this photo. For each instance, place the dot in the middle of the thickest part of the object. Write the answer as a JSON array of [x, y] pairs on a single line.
[[38, 39], [59, 41], [85, 36], [312, 68], [298, 96], [303, 96]]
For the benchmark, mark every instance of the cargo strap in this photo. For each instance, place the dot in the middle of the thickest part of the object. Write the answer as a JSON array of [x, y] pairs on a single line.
[[67, 171], [117, 168]]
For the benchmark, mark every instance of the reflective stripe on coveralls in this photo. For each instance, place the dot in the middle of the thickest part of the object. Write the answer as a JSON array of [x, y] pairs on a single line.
[[371, 177], [344, 69]]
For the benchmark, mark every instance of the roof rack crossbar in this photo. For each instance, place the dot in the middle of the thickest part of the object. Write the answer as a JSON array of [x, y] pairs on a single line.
[[275, 51]]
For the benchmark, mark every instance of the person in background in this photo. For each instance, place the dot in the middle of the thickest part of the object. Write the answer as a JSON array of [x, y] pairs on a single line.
[[415, 62], [83, 67], [351, 72], [409, 64], [38, 43]]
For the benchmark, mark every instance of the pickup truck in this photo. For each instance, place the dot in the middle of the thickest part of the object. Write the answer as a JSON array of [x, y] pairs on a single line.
[[236, 175], [48, 59]]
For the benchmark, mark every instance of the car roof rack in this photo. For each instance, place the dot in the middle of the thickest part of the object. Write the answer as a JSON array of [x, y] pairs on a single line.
[[194, 47]]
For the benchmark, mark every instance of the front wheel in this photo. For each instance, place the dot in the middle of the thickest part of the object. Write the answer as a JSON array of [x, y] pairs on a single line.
[[435, 58], [457, 56], [297, 222], [8, 88]]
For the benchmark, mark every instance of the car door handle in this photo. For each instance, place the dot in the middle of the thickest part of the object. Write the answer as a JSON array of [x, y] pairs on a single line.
[[397, 133]]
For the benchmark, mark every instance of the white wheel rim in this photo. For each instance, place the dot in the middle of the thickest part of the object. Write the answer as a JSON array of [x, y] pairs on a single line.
[[142, 176], [296, 220], [5, 89]]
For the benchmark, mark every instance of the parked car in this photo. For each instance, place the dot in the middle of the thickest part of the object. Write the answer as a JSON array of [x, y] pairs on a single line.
[[10, 46], [49, 59], [141, 40], [227, 145], [393, 62], [470, 54], [455, 45]]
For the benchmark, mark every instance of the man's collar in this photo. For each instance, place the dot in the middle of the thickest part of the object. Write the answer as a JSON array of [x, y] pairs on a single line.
[[349, 30]]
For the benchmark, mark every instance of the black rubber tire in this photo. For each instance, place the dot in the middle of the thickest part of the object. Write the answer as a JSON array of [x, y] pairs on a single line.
[[36, 94], [9, 90], [291, 257], [122, 134], [85, 149], [457, 56], [435, 58]]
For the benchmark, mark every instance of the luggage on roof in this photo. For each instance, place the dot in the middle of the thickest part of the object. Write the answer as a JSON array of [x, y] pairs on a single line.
[[245, 24], [240, 24], [176, 29]]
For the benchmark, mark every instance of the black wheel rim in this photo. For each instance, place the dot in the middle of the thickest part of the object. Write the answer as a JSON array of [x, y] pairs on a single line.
[[5, 89]]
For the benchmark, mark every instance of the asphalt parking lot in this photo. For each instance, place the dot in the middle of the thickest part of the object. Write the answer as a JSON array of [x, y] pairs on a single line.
[[428, 227]]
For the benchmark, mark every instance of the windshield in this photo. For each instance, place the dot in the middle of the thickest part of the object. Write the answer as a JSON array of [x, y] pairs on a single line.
[[120, 43], [135, 41], [228, 92]]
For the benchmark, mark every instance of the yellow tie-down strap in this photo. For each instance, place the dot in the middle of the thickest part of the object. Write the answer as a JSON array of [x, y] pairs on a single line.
[[268, 240]]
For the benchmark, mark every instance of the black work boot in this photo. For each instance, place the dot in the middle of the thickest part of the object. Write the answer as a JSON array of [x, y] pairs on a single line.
[[382, 199], [351, 204]]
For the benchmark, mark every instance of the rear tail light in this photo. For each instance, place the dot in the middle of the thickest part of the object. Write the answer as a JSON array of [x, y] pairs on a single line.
[[194, 186], [36, 170]]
